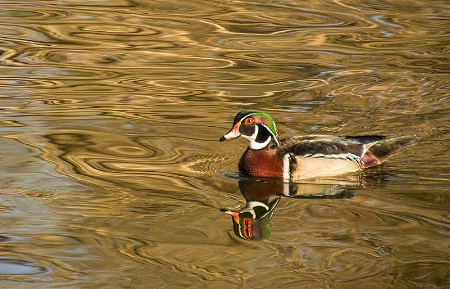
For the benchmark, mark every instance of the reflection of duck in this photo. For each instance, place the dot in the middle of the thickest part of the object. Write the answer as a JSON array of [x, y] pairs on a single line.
[[251, 222], [304, 157]]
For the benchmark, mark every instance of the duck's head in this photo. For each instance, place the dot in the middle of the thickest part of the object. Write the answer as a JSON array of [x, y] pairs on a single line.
[[256, 126], [252, 222]]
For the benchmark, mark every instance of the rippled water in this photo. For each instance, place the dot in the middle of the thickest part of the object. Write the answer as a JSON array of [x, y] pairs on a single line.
[[112, 173]]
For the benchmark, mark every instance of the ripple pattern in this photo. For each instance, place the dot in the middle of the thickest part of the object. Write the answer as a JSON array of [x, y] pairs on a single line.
[[109, 123]]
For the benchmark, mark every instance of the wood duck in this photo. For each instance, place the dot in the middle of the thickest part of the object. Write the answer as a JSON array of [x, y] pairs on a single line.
[[305, 157]]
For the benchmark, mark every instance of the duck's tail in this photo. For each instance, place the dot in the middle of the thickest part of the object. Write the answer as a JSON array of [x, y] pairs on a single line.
[[382, 150]]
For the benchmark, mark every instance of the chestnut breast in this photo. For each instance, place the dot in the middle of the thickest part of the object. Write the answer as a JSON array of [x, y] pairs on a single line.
[[261, 163]]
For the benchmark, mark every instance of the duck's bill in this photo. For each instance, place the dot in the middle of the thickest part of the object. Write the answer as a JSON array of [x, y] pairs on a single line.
[[234, 214], [233, 133]]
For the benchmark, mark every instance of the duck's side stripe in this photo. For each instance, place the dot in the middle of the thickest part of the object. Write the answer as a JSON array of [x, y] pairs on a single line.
[[343, 156]]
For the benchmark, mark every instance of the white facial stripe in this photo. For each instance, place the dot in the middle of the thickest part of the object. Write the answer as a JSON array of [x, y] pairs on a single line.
[[243, 118], [274, 136], [252, 140], [253, 136]]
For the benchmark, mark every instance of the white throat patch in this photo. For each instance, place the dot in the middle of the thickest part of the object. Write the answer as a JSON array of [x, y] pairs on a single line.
[[252, 140]]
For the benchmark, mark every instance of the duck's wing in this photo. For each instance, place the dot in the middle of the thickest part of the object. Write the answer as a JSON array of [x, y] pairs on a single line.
[[321, 146]]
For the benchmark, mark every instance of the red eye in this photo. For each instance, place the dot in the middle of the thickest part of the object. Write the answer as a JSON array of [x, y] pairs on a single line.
[[249, 121]]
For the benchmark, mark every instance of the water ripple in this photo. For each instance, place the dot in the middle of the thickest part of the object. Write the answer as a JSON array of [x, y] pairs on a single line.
[[110, 118], [19, 267], [159, 162]]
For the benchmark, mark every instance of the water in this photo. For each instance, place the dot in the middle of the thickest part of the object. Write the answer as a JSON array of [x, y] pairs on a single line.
[[112, 173]]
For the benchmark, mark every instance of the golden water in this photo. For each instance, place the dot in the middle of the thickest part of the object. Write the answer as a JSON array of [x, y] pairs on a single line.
[[112, 175]]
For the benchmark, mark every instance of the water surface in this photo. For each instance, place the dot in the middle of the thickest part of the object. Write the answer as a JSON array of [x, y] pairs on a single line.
[[111, 169]]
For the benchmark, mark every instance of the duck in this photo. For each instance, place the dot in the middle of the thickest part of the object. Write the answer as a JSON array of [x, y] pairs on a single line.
[[305, 157]]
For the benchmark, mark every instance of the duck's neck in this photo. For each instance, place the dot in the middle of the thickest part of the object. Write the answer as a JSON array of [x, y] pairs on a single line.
[[261, 139], [255, 145]]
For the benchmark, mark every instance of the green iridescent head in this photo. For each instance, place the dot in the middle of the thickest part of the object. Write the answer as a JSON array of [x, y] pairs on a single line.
[[256, 126]]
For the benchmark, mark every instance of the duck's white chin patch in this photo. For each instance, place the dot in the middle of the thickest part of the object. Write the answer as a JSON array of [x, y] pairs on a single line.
[[253, 144]]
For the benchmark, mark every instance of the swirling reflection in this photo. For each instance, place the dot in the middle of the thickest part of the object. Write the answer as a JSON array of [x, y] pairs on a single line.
[[262, 197], [109, 111]]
